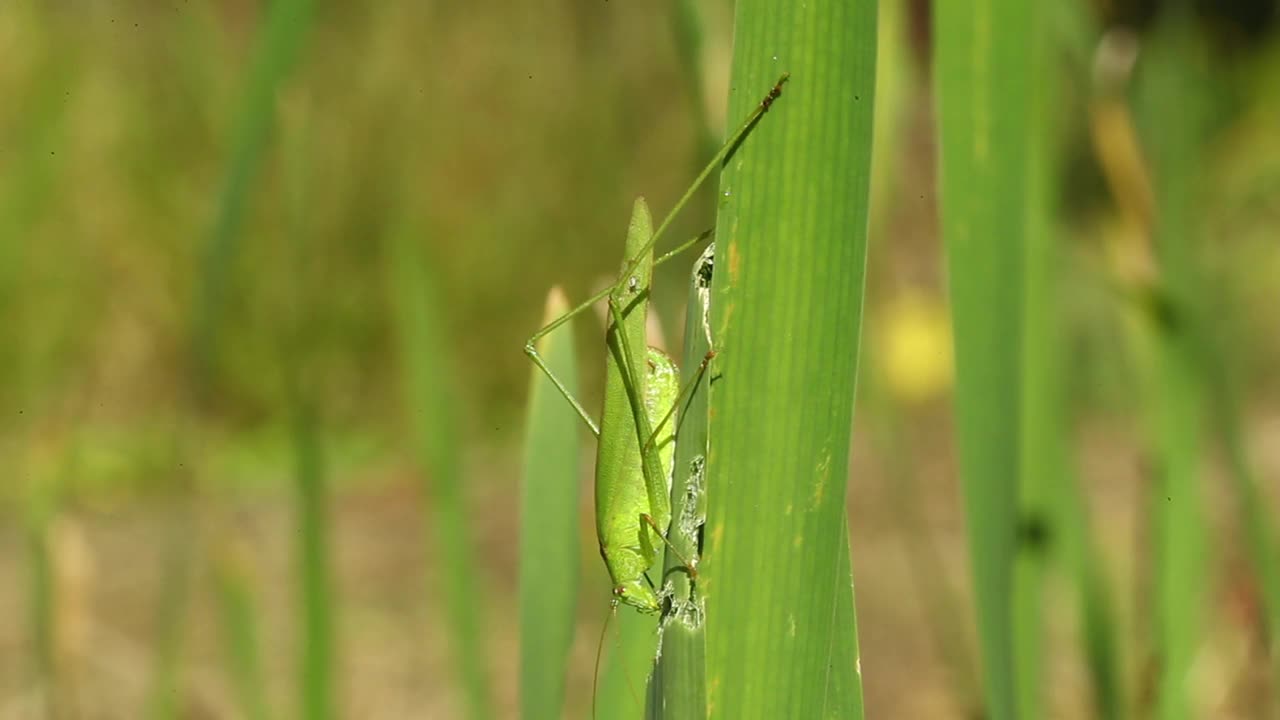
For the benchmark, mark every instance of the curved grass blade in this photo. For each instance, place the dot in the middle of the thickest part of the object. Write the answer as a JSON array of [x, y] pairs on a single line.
[[427, 382], [549, 527]]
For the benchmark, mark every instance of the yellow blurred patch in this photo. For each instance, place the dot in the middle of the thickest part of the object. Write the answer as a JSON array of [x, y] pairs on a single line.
[[914, 347]]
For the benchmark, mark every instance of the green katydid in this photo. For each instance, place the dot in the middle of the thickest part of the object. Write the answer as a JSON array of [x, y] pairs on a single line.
[[636, 436]]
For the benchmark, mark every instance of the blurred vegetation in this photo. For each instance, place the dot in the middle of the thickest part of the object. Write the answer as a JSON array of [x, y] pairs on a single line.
[[154, 484]]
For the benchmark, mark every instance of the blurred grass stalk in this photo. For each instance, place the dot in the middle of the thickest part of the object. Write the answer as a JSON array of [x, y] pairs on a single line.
[[549, 547], [29, 178], [240, 627], [787, 294], [317, 660], [316, 607], [1188, 362], [688, 30], [1168, 76], [985, 79], [1041, 451], [428, 404], [882, 393], [1053, 511], [277, 50]]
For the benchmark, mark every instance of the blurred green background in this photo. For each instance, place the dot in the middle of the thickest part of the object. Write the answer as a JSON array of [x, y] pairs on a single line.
[[206, 430]]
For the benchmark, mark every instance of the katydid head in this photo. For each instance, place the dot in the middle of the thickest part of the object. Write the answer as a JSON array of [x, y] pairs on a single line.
[[638, 595]]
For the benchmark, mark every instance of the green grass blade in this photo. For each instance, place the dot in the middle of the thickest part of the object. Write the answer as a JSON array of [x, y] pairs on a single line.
[[678, 688], [1259, 530], [629, 648], [318, 657], [844, 689], [1097, 622], [788, 305], [985, 98], [29, 179], [1219, 342], [279, 47], [1050, 490], [687, 30], [316, 611], [428, 403], [240, 629], [1168, 73], [549, 543], [1042, 451]]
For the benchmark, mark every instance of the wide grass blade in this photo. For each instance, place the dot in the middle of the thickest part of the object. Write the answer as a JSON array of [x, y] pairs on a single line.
[[787, 313], [549, 527], [984, 86], [427, 383]]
